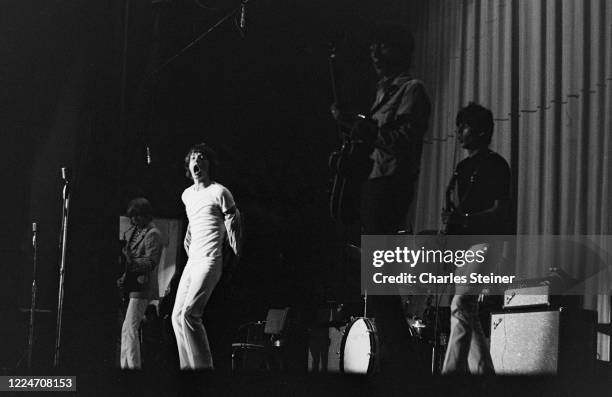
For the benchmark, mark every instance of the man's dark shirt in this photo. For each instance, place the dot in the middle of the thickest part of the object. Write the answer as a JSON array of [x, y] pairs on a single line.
[[481, 180]]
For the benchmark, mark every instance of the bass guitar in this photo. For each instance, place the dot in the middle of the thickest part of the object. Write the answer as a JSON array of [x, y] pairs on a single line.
[[350, 164]]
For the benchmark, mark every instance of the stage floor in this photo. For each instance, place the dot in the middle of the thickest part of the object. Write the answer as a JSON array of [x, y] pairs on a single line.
[[144, 383]]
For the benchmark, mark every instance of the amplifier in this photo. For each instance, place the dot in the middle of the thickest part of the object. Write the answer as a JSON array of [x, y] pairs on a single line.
[[544, 342], [538, 295], [539, 292]]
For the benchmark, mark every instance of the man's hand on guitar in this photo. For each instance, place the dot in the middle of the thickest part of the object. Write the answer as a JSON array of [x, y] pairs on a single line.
[[453, 217], [447, 212], [121, 281], [127, 259], [344, 119], [125, 253], [335, 111], [365, 130]]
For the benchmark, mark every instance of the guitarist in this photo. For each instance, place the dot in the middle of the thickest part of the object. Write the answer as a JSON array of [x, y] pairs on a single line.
[[142, 255], [398, 119], [482, 185]]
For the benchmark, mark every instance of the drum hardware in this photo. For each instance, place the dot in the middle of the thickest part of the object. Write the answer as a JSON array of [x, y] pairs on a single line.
[[365, 303], [436, 368], [417, 328]]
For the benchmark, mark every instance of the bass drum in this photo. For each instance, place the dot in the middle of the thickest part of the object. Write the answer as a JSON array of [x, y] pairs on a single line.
[[359, 349]]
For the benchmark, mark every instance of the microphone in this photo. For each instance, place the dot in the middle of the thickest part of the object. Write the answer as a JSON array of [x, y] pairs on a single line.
[[242, 21], [66, 174], [34, 235]]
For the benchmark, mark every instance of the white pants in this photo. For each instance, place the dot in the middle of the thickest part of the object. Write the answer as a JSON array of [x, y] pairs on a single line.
[[130, 341], [197, 284], [468, 351]]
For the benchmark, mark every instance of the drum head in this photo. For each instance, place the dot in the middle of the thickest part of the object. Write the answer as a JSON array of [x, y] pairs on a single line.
[[358, 347]]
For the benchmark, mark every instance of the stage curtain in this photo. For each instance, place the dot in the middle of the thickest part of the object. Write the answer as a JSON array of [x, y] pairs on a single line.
[[565, 101], [463, 55], [544, 67]]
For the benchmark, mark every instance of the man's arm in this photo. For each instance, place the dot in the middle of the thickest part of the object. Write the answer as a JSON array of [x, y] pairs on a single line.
[[233, 226], [410, 122], [497, 181], [494, 214], [346, 120], [150, 258], [187, 240]]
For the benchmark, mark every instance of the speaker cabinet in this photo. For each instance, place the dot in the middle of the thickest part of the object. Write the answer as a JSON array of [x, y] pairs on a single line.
[[544, 342]]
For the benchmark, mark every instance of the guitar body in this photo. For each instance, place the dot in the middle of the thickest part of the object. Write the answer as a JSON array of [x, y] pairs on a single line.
[[351, 166], [133, 281]]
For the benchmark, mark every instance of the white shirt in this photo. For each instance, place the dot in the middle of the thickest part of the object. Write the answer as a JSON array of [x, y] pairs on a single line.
[[206, 210]]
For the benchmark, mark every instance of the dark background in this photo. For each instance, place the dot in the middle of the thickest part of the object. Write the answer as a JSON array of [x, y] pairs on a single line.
[[82, 87]]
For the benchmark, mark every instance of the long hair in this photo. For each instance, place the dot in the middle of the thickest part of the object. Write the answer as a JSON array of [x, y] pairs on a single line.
[[209, 154], [479, 118], [140, 207], [397, 36]]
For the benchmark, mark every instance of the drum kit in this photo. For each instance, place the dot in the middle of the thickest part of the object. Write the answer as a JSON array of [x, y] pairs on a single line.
[[360, 349], [341, 342]]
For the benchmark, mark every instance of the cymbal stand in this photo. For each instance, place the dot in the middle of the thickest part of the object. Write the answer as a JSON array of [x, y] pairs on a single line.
[[365, 303]]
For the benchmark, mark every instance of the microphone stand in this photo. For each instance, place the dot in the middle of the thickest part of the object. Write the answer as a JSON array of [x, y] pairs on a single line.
[[235, 11], [239, 11], [30, 347], [62, 270]]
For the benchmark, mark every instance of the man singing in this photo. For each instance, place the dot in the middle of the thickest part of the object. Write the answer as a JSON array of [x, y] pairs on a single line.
[[142, 254], [213, 221]]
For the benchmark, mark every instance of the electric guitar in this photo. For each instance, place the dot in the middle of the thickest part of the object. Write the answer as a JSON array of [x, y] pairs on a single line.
[[132, 281]]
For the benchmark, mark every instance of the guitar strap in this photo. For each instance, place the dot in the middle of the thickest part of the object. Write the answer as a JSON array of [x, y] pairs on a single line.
[[399, 120], [453, 183], [137, 236], [385, 98]]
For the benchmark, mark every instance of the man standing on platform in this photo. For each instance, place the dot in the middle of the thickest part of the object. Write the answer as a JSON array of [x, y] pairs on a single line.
[[482, 183], [142, 254], [397, 121], [213, 221], [399, 118]]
